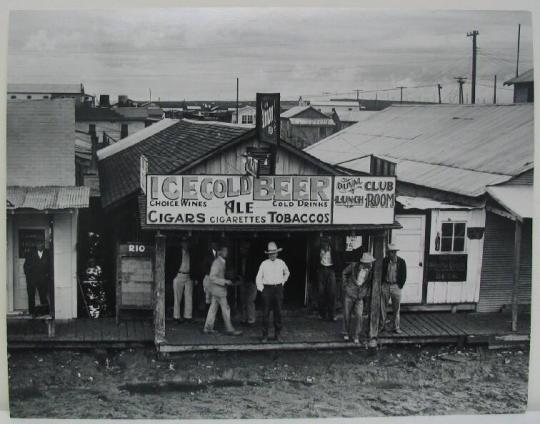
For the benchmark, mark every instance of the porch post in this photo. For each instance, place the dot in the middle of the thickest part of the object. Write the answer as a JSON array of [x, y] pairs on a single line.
[[517, 258], [159, 289], [375, 311]]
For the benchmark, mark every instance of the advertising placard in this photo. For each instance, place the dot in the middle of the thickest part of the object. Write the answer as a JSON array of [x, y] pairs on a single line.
[[269, 200], [267, 117], [238, 200], [364, 200]]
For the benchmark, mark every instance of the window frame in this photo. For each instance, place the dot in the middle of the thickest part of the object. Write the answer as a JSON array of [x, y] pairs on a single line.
[[453, 237]]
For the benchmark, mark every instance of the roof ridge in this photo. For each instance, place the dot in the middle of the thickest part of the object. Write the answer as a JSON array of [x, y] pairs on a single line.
[[219, 123]]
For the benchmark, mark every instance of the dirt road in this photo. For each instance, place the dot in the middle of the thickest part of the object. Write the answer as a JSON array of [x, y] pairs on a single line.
[[135, 384]]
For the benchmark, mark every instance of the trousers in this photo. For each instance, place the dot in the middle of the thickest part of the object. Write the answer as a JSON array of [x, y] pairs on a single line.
[[42, 287], [390, 292], [183, 287], [272, 300], [327, 292], [353, 308], [219, 302]]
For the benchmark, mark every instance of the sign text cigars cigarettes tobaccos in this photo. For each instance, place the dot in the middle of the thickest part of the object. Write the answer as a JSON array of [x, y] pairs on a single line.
[[269, 200]]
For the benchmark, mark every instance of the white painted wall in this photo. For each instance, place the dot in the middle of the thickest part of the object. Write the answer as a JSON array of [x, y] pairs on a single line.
[[65, 261], [458, 292]]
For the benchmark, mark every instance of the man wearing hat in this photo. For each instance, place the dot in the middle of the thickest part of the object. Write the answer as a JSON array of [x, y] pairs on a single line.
[[273, 274], [183, 283], [357, 278], [394, 275]]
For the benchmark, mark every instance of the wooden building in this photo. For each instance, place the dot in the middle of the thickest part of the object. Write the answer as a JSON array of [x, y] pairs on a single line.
[[302, 126], [458, 251], [523, 87], [43, 201], [202, 153]]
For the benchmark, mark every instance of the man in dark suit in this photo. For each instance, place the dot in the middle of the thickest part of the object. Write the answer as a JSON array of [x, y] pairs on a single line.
[[37, 270], [394, 275], [247, 271]]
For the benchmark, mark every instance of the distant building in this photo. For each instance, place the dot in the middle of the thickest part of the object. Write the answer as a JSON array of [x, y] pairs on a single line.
[[327, 107], [246, 115], [304, 125], [42, 201], [347, 118], [49, 91], [523, 87]]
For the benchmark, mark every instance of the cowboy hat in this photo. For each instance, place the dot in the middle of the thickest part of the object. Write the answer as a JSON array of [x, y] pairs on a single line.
[[272, 248], [392, 247], [367, 258]]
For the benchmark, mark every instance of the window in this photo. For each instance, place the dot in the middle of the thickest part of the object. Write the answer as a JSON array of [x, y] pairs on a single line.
[[265, 158], [13, 97], [247, 119], [453, 237], [45, 97], [322, 132], [28, 97]]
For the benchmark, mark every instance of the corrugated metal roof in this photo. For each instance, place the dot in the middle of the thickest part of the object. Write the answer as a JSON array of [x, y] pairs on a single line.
[[45, 88], [455, 148], [294, 111], [527, 76], [47, 197], [424, 203], [312, 122], [517, 199]]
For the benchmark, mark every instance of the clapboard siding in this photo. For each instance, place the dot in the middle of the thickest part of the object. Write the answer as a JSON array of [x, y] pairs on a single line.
[[497, 277], [230, 161]]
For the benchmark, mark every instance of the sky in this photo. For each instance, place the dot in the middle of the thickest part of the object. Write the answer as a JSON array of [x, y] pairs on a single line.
[[316, 53]]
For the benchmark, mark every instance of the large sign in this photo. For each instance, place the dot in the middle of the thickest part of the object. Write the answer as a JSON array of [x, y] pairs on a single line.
[[143, 172], [267, 117], [268, 200]]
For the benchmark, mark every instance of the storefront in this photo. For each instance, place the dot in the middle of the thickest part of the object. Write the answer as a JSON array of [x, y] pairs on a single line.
[[235, 189]]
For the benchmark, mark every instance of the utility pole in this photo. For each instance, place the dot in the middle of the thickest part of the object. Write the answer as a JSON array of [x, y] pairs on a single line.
[[473, 34], [237, 117], [461, 81], [495, 90], [439, 88], [150, 93], [357, 95], [517, 60], [401, 94]]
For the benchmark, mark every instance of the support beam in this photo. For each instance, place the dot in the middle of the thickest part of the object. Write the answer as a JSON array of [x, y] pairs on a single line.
[[375, 311], [159, 290], [516, 264]]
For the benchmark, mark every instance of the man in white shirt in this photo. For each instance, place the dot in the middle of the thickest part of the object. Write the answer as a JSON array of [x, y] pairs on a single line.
[[273, 274]]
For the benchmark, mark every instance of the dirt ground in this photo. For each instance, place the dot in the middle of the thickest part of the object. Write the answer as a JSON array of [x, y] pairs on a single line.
[[347, 383]]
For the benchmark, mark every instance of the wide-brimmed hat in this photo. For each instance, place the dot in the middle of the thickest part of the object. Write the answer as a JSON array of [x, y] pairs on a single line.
[[392, 247], [272, 248], [367, 258]]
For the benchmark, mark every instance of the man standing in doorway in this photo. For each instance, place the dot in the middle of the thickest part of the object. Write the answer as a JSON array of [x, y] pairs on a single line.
[[37, 271], [394, 275], [217, 287], [273, 274], [183, 283], [248, 290], [327, 281]]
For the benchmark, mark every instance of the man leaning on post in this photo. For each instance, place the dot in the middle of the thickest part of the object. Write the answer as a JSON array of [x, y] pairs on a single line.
[[394, 275]]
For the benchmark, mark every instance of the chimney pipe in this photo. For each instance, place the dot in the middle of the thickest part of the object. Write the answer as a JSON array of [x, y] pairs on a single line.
[[123, 131], [104, 100]]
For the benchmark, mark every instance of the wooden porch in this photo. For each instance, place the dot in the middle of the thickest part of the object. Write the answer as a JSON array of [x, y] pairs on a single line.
[[300, 332]]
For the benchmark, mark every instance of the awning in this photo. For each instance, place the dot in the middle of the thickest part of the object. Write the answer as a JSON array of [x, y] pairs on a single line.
[[409, 202], [47, 197], [516, 199]]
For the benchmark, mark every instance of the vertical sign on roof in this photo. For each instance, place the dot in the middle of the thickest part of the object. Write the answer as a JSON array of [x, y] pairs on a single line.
[[267, 117], [143, 172]]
